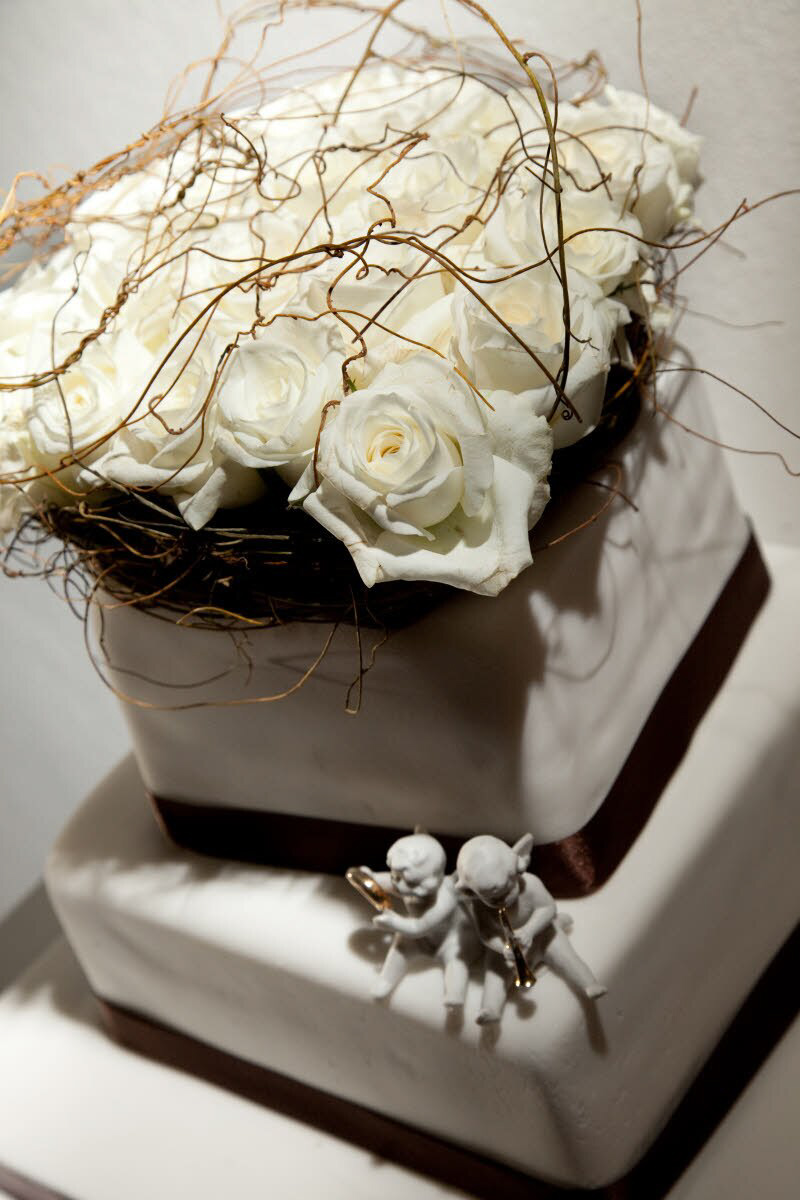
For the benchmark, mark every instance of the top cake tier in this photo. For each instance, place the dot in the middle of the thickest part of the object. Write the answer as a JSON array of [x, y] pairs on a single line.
[[487, 715]]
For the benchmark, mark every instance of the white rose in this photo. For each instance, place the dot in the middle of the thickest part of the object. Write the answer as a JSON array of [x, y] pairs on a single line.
[[249, 239], [69, 422], [56, 423], [409, 314], [599, 240], [31, 304], [531, 304], [46, 315], [167, 444], [388, 98], [638, 150], [272, 394], [122, 214], [376, 98], [685, 146], [414, 482], [444, 178], [14, 502], [121, 225], [186, 254], [23, 490], [432, 187]]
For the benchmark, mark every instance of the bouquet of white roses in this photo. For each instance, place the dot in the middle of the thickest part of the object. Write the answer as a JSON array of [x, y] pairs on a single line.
[[384, 297]]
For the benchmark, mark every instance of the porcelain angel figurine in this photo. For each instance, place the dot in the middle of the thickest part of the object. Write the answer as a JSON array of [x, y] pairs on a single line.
[[434, 922], [516, 920]]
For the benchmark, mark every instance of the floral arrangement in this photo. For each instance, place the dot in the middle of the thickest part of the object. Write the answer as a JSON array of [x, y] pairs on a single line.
[[351, 320]]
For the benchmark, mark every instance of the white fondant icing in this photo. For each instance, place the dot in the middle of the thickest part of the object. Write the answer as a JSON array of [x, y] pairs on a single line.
[[271, 965], [487, 714]]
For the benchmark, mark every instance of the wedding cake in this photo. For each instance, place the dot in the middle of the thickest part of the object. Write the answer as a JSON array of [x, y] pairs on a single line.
[[345, 403]]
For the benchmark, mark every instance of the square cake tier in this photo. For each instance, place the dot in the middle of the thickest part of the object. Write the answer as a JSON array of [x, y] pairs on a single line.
[[274, 967], [485, 715], [59, 1069]]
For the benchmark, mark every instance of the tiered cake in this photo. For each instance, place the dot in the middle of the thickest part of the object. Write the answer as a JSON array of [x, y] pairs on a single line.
[[296, 390], [260, 978]]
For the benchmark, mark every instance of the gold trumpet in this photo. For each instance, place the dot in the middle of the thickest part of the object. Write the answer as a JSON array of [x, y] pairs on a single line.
[[369, 888], [523, 975]]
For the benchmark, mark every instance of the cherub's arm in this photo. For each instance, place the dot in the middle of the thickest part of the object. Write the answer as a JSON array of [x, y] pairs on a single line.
[[443, 907], [543, 913]]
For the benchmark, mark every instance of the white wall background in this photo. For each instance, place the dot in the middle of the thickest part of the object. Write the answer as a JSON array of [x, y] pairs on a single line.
[[77, 80]]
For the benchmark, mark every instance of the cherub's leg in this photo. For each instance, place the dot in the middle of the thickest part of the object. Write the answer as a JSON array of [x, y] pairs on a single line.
[[560, 955], [495, 989], [456, 973], [394, 968], [455, 965]]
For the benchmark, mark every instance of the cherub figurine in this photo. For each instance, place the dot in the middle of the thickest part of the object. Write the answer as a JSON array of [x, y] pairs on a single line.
[[435, 922], [494, 876]]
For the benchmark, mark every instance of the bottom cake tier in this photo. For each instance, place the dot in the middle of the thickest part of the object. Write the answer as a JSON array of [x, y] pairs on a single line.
[[263, 968], [82, 1118]]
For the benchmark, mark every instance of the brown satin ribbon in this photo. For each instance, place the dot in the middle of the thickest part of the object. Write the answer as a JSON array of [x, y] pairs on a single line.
[[574, 866]]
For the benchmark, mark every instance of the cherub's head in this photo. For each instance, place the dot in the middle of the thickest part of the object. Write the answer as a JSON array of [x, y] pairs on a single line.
[[490, 870], [417, 863]]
